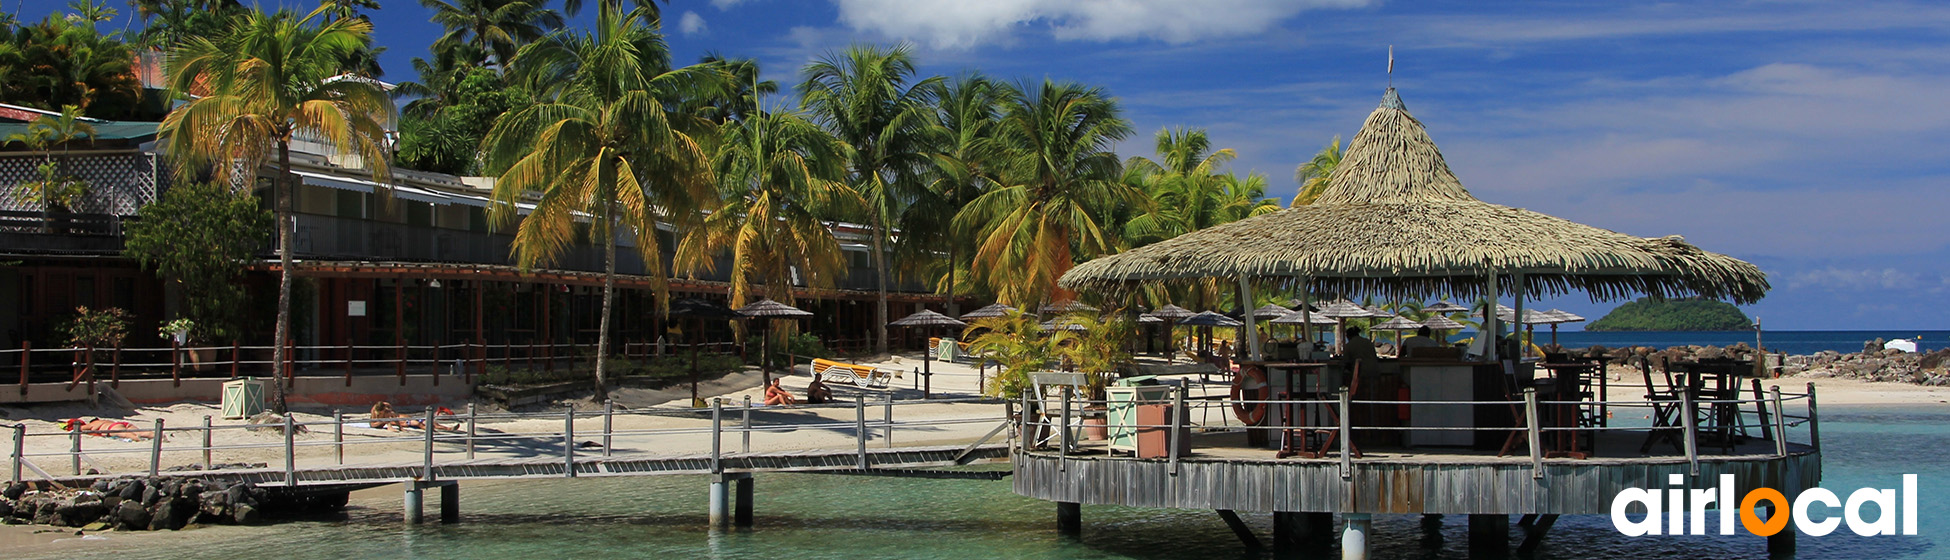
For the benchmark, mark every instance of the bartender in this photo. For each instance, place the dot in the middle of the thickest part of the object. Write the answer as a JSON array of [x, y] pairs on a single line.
[[1420, 340], [1358, 350]]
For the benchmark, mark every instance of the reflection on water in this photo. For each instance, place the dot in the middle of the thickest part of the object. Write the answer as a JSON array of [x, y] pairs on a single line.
[[851, 518]]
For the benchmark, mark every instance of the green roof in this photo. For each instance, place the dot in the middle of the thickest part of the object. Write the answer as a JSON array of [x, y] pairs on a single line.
[[111, 130]]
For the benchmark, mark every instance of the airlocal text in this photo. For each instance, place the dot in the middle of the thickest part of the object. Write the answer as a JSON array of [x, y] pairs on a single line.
[[1668, 512]]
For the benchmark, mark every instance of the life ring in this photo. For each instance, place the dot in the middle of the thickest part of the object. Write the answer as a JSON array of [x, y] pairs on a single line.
[[1250, 385]]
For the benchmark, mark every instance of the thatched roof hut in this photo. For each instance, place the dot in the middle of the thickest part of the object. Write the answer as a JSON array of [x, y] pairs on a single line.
[[1396, 222]]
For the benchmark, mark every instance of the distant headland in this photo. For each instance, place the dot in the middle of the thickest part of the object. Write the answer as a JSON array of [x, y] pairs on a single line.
[[1647, 314]]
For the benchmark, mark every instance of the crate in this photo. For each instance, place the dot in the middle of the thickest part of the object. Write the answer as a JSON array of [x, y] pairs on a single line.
[[242, 398]]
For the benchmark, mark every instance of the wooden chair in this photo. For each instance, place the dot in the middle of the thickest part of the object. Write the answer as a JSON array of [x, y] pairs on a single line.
[[1048, 389], [1665, 411]]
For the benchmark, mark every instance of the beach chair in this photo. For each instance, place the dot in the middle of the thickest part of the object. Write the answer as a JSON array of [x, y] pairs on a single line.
[[1665, 411], [866, 377], [1049, 388]]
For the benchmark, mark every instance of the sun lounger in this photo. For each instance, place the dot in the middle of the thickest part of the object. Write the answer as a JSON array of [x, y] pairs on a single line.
[[828, 371]]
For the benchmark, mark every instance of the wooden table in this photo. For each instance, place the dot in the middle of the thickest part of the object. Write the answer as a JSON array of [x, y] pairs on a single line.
[[1565, 386]]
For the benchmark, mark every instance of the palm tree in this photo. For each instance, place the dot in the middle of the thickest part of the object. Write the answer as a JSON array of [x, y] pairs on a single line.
[[493, 27], [270, 78], [966, 118], [863, 96], [1312, 176], [1015, 341], [777, 174], [600, 145], [56, 186], [1057, 176]]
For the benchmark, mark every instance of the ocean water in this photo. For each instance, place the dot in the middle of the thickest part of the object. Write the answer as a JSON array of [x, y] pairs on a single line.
[[1792, 342], [852, 518]]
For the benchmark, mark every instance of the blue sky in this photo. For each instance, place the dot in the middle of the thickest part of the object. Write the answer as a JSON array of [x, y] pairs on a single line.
[[1811, 138]]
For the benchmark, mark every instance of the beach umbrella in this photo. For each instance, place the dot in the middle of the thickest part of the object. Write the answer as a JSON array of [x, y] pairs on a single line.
[[1444, 307], [769, 310], [1395, 222], [1299, 317], [1398, 324], [1171, 314], [927, 319], [1269, 311], [1557, 317], [992, 310], [1149, 319], [1068, 306], [699, 310], [1210, 319], [1062, 325], [1441, 323], [1342, 310]]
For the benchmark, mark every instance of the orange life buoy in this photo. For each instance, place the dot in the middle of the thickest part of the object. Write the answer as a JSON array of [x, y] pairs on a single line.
[[1250, 385]]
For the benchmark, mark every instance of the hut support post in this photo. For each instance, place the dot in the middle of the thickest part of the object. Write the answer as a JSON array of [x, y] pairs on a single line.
[[1354, 536], [1307, 313], [1489, 328], [1780, 545], [1516, 297], [1252, 323], [1240, 529], [1296, 533], [1489, 533], [1069, 519], [731, 500]]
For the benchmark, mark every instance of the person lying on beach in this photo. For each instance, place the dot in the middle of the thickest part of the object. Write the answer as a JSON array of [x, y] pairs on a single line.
[[383, 409], [777, 396], [818, 393], [115, 429]]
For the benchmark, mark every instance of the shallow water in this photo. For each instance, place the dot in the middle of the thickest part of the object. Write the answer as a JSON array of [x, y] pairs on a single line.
[[843, 517]]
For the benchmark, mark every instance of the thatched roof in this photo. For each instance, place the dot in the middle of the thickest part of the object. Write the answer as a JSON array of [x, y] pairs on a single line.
[[1210, 319], [1172, 312], [1444, 307], [1396, 323], [772, 309], [992, 310], [1300, 317], [1395, 221], [1069, 306], [927, 318], [1440, 322], [1343, 309]]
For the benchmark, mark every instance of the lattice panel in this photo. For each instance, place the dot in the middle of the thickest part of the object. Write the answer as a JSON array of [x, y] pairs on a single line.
[[118, 183]]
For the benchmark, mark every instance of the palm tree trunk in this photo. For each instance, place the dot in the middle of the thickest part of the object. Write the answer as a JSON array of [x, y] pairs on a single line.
[[953, 309], [279, 192], [880, 278], [609, 294]]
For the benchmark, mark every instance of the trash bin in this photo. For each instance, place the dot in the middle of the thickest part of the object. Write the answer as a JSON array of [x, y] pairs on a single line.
[[242, 398], [1151, 442]]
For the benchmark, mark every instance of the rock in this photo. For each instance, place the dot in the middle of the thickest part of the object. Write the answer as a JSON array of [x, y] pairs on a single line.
[[151, 495], [239, 494], [191, 489], [244, 515], [133, 490], [6, 509], [215, 503], [44, 514], [159, 517], [131, 516], [14, 490], [100, 486], [96, 526], [75, 513]]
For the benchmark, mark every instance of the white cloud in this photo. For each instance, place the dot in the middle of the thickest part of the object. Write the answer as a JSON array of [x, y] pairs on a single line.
[[950, 24], [691, 23], [722, 5], [1855, 279]]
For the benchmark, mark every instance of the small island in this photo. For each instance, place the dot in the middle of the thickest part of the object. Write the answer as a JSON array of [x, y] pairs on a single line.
[[1647, 314]]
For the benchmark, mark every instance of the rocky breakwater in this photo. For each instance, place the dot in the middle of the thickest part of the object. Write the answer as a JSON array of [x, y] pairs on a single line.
[[134, 504], [1634, 356], [1873, 363]]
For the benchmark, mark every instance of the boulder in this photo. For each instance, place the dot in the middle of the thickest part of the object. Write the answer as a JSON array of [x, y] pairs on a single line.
[[131, 516], [244, 515], [6, 509], [14, 490], [133, 490], [79, 510]]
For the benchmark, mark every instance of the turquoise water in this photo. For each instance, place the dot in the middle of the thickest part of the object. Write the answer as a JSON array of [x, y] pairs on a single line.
[[837, 517], [1791, 342]]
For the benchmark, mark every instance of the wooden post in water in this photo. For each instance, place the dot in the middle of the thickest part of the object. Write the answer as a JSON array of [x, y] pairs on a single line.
[[1691, 418], [1780, 423], [888, 418], [717, 436], [1814, 424]]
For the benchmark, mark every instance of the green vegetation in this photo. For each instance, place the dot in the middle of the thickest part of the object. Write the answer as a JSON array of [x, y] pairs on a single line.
[[198, 236], [1647, 314], [64, 60]]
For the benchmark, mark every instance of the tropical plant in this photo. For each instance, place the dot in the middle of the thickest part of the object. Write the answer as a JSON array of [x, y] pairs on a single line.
[[863, 96], [777, 173], [1188, 193], [1056, 174], [198, 236], [493, 28], [1312, 175], [966, 118], [269, 79], [444, 133], [1016, 341], [177, 329], [601, 146], [63, 61], [97, 328], [56, 188], [168, 22], [1098, 350]]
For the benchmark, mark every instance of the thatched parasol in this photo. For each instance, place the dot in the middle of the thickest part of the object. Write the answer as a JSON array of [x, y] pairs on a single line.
[[1149, 319], [1210, 319], [769, 309], [1172, 312], [1269, 311], [1068, 306], [1394, 221], [927, 318], [1398, 324], [1441, 323], [1062, 325], [1300, 317], [993, 310], [1557, 317], [1444, 307]]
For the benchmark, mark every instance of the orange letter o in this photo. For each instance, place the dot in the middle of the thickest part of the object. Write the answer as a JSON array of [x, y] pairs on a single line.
[[1774, 523]]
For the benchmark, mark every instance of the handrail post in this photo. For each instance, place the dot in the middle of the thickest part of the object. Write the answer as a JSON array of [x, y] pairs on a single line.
[[1814, 424], [207, 463], [426, 468], [860, 428], [1533, 432], [746, 446], [290, 451], [1780, 423], [888, 418], [1347, 434], [1009, 415], [338, 435], [75, 449], [717, 435], [1691, 419], [471, 418], [20, 450], [1063, 431], [155, 448], [1178, 414], [569, 443], [609, 412]]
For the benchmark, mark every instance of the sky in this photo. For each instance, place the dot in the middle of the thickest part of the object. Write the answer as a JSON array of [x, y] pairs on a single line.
[[1810, 138]]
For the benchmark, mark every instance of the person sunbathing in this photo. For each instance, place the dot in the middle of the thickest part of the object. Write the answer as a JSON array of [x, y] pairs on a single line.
[[115, 429], [818, 393], [777, 396], [383, 409]]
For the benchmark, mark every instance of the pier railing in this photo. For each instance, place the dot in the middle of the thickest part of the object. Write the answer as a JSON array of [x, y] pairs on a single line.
[[685, 440], [1776, 424]]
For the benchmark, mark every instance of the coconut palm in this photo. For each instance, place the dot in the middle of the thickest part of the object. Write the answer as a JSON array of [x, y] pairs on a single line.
[[1057, 175], [600, 145], [1016, 341], [269, 79], [863, 96], [777, 172], [966, 116], [494, 27], [1312, 175]]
